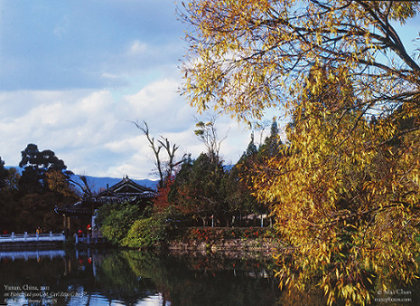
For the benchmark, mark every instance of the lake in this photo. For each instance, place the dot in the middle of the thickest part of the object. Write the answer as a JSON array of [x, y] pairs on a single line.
[[126, 277]]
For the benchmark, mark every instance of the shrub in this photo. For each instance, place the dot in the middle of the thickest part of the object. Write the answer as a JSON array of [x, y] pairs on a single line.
[[114, 220], [147, 233]]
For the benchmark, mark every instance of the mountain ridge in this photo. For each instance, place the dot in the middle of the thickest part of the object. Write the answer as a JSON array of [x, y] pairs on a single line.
[[97, 183]]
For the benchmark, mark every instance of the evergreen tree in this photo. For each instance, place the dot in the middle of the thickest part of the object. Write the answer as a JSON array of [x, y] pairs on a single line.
[[36, 164], [239, 201], [31, 198], [272, 143], [251, 150], [197, 189], [3, 174]]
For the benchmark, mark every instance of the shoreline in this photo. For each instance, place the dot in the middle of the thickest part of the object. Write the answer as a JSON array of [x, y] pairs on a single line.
[[234, 248]]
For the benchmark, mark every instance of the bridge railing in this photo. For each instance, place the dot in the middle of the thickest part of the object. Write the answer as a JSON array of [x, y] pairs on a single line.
[[32, 237]]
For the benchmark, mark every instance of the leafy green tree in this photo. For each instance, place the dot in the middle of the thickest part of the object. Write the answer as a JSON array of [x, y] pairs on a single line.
[[115, 220], [237, 185], [8, 211], [272, 148], [238, 200], [35, 210], [8, 207], [251, 149], [36, 163], [3, 174], [61, 184], [32, 197], [148, 232], [197, 189], [272, 144], [12, 180], [176, 194]]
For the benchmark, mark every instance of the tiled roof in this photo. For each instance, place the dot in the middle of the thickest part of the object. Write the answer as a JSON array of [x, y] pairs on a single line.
[[124, 191]]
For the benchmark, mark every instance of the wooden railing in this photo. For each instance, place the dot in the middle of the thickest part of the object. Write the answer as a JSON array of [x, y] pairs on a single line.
[[49, 237]]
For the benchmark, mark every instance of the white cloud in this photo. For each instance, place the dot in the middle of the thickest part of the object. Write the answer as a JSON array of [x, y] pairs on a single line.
[[109, 76], [91, 130], [156, 96], [161, 106], [126, 77], [137, 47], [137, 166], [127, 144]]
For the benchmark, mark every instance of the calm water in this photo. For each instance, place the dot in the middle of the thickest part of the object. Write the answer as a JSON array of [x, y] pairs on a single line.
[[122, 277], [98, 277]]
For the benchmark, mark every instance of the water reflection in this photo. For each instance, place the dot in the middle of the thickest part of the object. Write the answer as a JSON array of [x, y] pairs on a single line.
[[98, 277], [31, 254], [124, 277]]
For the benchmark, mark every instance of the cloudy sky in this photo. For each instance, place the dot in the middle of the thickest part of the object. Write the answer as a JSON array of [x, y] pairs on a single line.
[[75, 73]]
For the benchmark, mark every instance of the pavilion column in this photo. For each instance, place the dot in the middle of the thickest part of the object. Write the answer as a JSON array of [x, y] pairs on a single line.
[[68, 224], [65, 225]]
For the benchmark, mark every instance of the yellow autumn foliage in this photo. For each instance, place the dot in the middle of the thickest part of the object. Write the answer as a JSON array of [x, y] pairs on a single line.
[[345, 191], [345, 199]]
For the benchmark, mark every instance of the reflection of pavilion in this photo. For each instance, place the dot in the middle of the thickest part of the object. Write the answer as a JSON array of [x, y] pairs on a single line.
[[124, 191]]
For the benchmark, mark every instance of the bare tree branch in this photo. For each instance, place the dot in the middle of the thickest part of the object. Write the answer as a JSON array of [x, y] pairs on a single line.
[[165, 169]]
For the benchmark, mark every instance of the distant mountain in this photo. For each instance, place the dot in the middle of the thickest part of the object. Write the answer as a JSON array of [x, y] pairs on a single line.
[[228, 167], [19, 169], [98, 183]]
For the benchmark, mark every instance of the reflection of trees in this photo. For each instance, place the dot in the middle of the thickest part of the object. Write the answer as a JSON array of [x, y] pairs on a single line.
[[116, 280], [207, 280], [130, 276], [113, 278], [21, 272]]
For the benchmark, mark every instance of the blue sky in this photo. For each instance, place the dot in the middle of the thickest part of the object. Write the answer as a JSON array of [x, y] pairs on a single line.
[[56, 45], [75, 73]]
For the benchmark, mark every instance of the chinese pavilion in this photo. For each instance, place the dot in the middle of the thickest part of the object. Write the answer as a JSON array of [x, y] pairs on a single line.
[[124, 191]]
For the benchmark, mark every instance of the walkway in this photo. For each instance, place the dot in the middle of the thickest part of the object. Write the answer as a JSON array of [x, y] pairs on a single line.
[[22, 238]]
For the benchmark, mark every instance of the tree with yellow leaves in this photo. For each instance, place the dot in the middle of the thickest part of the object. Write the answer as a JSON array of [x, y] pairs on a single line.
[[350, 212], [246, 55]]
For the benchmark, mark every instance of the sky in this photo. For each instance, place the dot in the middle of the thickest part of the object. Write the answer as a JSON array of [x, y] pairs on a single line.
[[75, 74]]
